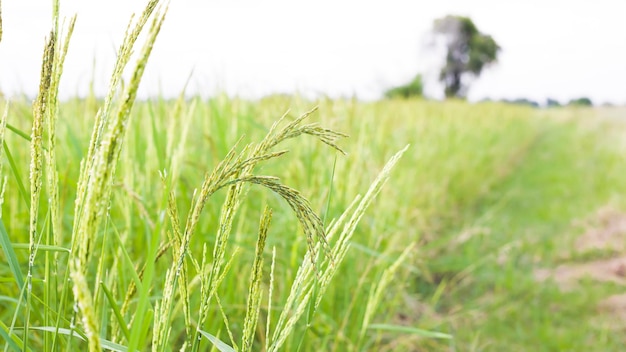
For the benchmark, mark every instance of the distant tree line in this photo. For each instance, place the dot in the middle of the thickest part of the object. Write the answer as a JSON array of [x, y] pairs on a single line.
[[550, 103]]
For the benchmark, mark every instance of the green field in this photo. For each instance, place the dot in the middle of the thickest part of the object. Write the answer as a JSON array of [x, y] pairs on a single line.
[[499, 228], [486, 192]]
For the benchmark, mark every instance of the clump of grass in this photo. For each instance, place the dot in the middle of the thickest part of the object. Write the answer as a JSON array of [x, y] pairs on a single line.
[[92, 291], [97, 172], [235, 170]]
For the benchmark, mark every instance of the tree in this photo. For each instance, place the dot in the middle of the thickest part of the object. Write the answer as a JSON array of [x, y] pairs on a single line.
[[584, 101], [468, 52], [552, 103], [413, 89], [521, 101]]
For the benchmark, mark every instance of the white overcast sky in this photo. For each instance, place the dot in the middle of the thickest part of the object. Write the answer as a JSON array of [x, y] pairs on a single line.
[[551, 48]]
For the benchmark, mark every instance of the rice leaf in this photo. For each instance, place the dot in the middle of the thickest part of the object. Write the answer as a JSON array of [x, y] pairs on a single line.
[[106, 344], [116, 310], [18, 132], [223, 347], [42, 247], [409, 330], [16, 173], [9, 253], [11, 340]]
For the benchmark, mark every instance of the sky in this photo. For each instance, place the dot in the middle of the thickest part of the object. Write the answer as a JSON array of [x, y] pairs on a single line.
[[340, 48]]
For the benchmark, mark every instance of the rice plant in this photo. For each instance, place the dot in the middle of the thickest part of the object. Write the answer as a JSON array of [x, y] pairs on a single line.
[[86, 287]]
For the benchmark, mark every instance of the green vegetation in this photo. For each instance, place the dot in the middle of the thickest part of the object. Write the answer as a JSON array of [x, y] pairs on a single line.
[[415, 88], [584, 101], [166, 227]]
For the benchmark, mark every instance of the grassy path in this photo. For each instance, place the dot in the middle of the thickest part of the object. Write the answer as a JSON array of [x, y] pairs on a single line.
[[529, 220]]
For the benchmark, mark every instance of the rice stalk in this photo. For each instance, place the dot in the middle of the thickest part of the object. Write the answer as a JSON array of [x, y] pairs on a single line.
[[82, 295], [235, 170], [102, 121], [327, 136], [310, 221], [343, 241], [377, 292], [52, 179], [181, 267], [51, 122], [123, 56], [304, 286], [225, 319], [254, 288], [175, 153], [269, 298], [162, 326], [104, 165], [94, 188], [208, 285], [228, 211], [176, 272], [40, 108]]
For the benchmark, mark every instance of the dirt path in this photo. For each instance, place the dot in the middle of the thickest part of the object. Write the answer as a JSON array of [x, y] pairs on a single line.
[[604, 236]]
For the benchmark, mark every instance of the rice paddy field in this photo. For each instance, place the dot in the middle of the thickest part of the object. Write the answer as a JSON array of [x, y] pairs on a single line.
[[398, 225]]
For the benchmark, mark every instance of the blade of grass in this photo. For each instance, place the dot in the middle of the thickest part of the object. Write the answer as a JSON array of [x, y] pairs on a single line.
[[159, 147], [376, 293], [19, 132], [409, 330], [41, 247], [130, 269], [143, 293], [9, 253], [16, 173], [219, 344], [330, 190], [11, 340], [106, 344], [20, 302], [116, 310], [226, 323], [75, 142]]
